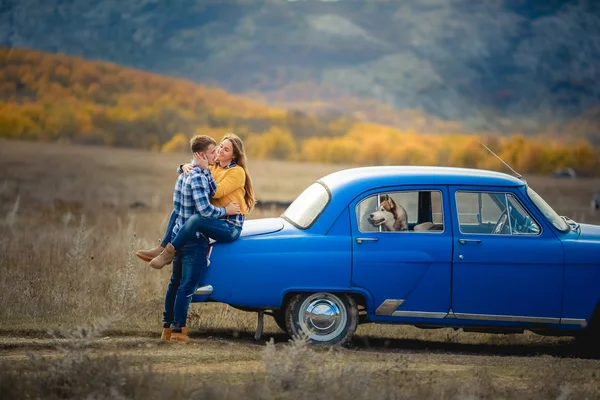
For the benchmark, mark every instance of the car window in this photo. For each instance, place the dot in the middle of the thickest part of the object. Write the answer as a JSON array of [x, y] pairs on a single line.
[[491, 210], [493, 214], [521, 222], [479, 208], [401, 211], [548, 212], [308, 206]]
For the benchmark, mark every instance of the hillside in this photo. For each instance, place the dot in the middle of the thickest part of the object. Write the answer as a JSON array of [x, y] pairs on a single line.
[[49, 96], [68, 99], [502, 66], [586, 125]]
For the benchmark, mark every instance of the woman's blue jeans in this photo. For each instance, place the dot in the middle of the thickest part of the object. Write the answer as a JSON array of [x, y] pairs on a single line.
[[217, 229], [169, 231], [189, 267]]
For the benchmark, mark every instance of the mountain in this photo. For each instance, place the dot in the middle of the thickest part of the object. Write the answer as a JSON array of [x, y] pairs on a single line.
[[587, 126], [512, 65], [56, 97]]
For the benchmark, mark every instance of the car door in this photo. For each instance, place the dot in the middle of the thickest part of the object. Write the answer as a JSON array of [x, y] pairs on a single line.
[[407, 273], [507, 265]]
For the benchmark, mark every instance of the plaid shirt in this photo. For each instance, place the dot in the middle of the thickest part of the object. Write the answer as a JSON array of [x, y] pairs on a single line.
[[234, 219], [211, 182], [191, 196]]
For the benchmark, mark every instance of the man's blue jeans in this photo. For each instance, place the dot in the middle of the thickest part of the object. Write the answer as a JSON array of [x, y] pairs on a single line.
[[189, 266], [217, 229]]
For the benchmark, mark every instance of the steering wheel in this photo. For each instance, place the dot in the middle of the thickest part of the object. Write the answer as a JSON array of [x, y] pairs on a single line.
[[500, 224], [530, 226]]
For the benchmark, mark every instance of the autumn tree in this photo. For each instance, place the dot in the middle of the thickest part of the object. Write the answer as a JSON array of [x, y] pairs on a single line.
[[178, 143]]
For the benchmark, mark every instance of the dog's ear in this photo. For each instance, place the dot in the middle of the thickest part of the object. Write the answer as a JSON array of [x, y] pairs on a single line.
[[392, 204], [384, 197]]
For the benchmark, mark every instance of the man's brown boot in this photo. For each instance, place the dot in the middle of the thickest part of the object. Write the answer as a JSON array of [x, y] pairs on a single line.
[[148, 255], [166, 334], [180, 336], [164, 258]]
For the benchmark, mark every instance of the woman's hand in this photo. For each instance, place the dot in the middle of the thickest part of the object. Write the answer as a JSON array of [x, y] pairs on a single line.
[[187, 168], [232, 209], [201, 160]]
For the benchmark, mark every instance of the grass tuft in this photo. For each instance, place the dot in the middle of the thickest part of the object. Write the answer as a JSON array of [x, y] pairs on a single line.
[[11, 216]]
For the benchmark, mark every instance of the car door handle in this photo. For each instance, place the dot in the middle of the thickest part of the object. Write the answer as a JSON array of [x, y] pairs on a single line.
[[360, 240], [464, 241]]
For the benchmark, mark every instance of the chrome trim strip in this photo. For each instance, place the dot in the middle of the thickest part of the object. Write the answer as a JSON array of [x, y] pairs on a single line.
[[508, 211], [510, 318], [573, 321], [388, 307], [202, 290], [419, 314]]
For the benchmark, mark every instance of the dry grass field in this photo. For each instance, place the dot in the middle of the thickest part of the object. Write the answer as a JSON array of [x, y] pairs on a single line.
[[80, 315]]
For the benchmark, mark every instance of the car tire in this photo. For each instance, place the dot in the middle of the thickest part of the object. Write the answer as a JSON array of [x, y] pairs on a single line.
[[588, 341], [326, 319], [279, 318]]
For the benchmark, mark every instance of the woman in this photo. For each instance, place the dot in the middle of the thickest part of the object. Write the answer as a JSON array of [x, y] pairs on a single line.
[[233, 184]]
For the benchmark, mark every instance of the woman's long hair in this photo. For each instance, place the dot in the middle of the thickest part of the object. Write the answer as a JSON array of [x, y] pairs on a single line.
[[239, 156]]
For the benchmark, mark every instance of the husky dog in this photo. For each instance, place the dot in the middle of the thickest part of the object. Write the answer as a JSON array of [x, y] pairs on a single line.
[[390, 216]]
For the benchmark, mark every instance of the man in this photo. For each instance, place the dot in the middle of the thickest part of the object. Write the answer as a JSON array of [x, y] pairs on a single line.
[[191, 196]]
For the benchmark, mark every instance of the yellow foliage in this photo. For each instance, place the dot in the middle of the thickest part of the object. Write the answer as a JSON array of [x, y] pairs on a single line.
[[16, 124], [178, 144], [413, 153], [336, 150], [56, 97], [123, 107], [276, 143], [367, 144], [315, 150], [467, 153]]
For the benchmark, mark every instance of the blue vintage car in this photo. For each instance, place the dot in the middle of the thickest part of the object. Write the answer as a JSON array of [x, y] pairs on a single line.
[[425, 246]]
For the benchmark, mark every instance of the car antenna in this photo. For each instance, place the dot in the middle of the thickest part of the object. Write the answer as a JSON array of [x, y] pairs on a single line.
[[518, 175]]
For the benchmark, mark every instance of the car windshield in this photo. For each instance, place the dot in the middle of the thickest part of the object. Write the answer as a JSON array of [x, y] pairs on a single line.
[[548, 212], [308, 206]]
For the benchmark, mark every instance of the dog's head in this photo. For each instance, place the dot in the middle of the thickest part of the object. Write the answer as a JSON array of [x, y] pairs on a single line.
[[386, 214]]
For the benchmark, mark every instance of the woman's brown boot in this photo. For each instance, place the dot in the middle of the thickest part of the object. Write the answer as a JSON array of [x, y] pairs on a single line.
[[148, 255], [164, 258]]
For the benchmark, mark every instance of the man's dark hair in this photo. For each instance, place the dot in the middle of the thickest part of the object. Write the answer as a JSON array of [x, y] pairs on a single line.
[[200, 143]]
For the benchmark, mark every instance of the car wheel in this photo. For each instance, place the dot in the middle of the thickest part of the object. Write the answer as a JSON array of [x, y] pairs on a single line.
[[279, 317], [323, 318]]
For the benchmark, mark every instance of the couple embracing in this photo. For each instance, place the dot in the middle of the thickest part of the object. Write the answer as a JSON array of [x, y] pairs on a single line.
[[211, 197]]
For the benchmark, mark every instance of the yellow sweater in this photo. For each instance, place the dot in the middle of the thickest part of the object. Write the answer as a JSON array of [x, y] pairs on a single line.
[[230, 186]]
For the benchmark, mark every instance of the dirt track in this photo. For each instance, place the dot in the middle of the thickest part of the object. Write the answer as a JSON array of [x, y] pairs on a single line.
[[236, 359]]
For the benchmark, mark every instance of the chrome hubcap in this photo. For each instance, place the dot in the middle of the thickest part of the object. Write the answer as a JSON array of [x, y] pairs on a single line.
[[322, 317]]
